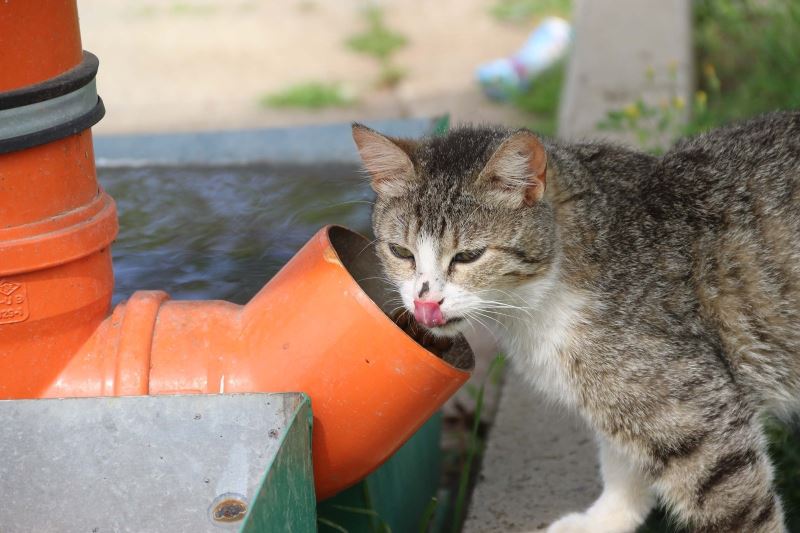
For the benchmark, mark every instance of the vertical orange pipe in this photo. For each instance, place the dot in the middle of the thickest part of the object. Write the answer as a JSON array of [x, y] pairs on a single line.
[[55, 223], [40, 39]]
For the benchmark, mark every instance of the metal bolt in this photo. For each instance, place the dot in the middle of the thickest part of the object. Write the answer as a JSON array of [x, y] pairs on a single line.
[[229, 508]]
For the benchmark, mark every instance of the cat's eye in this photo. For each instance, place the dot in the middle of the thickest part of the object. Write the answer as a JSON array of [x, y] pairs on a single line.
[[468, 256], [402, 253]]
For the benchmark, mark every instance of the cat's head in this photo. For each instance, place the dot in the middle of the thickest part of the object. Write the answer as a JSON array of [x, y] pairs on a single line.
[[460, 220]]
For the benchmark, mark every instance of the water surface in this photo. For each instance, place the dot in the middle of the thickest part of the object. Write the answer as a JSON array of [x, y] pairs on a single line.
[[223, 232]]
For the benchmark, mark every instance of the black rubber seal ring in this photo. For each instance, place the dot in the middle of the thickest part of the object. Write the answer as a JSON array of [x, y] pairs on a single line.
[[54, 133], [69, 81]]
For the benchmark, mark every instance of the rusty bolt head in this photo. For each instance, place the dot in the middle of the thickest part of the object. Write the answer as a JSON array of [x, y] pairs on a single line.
[[229, 508]]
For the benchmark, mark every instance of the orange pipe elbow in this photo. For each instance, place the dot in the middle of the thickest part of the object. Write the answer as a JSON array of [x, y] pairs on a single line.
[[311, 329]]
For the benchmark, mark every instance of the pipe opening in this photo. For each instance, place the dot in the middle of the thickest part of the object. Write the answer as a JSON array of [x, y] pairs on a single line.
[[359, 258]]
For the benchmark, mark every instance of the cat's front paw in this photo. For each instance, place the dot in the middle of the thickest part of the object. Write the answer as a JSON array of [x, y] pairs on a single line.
[[596, 521], [573, 523]]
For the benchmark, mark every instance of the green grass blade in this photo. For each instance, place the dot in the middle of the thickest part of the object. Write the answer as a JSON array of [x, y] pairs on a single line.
[[464, 478], [427, 516], [356, 510], [332, 524]]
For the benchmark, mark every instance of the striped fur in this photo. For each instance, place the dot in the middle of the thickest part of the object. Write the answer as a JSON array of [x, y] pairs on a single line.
[[657, 296]]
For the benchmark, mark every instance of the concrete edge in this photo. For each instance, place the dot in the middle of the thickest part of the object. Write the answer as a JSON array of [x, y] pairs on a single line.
[[286, 145], [540, 464]]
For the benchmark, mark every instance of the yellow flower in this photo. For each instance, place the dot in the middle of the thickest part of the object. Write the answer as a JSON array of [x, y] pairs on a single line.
[[673, 67], [701, 98], [679, 103], [631, 111]]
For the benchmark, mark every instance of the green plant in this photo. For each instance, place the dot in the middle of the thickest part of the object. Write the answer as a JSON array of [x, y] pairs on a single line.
[[784, 439], [754, 48], [475, 446], [380, 42], [376, 523], [331, 524], [311, 95], [441, 125], [653, 126], [728, 36], [541, 99], [523, 11], [428, 515]]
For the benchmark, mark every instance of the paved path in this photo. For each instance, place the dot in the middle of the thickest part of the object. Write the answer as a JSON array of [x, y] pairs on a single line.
[[540, 464]]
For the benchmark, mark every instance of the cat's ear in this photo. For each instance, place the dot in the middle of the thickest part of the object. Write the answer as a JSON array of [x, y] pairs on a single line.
[[515, 174], [387, 160]]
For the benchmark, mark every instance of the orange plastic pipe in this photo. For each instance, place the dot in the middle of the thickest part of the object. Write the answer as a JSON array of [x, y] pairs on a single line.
[[312, 328], [56, 224]]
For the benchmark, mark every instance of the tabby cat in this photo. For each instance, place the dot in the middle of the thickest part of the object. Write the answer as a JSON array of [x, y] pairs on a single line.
[[657, 296]]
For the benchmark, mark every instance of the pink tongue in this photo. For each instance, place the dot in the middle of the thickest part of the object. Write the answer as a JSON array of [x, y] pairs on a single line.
[[428, 314]]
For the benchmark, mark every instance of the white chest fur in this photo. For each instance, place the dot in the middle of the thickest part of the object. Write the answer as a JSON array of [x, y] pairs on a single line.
[[539, 339]]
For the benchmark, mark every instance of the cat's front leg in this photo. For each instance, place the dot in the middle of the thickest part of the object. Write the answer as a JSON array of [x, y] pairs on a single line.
[[623, 506], [725, 483]]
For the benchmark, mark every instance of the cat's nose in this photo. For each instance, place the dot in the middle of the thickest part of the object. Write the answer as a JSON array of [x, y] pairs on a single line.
[[428, 313]]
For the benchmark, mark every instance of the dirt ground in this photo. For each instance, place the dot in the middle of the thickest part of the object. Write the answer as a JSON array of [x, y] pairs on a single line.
[[167, 65]]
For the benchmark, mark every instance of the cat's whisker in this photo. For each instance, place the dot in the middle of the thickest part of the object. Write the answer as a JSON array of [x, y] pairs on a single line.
[[366, 246], [350, 202], [342, 204], [427, 335], [471, 316], [500, 291], [497, 313], [506, 305], [490, 317], [509, 312], [477, 207], [403, 312], [512, 295], [401, 306], [471, 324], [387, 281], [372, 277], [503, 292], [500, 301], [501, 305]]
